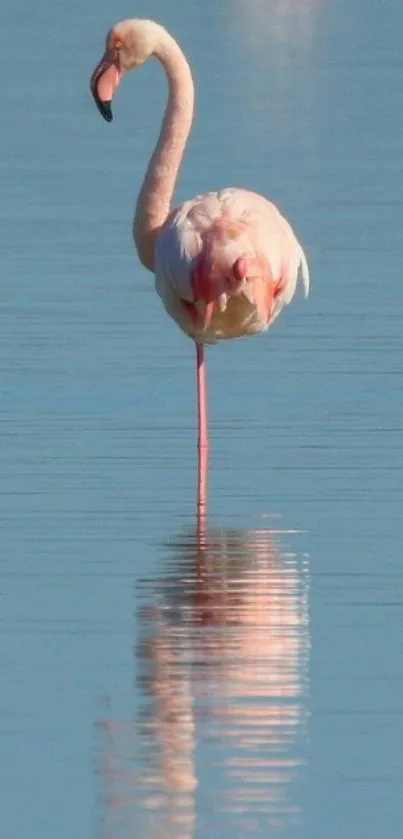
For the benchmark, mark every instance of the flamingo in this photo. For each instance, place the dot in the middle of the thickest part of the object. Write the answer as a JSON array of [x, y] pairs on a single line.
[[225, 262]]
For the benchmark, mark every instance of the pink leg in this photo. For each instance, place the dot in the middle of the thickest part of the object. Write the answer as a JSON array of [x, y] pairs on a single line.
[[202, 440]]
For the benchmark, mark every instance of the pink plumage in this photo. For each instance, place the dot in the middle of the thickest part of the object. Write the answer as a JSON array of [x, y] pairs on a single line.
[[225, 263], [201, 245]]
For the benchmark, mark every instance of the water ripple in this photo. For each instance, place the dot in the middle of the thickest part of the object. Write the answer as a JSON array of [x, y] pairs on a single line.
[[223, 671]]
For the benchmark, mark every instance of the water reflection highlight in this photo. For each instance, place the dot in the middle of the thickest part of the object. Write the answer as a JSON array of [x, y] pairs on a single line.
[[222, 670]]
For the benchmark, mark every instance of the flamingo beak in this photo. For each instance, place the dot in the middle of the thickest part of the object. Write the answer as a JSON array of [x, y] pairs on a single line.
[[104, 82]]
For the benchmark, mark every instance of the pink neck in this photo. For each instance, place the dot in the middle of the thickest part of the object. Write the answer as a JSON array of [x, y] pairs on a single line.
[[156, 193]]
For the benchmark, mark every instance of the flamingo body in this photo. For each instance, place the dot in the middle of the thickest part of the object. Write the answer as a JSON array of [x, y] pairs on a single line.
[[225, 263], [195, 254]]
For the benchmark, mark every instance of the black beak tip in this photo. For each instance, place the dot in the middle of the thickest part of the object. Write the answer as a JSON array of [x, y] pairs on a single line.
[[106, 110]]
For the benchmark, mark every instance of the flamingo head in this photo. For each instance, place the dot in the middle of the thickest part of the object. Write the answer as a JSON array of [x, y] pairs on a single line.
[[128, 44]]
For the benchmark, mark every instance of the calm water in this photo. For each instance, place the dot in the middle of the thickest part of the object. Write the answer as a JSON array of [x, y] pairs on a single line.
[[245, 680]]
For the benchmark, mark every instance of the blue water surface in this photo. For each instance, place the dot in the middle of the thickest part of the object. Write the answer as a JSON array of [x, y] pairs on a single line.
[[245, 680]]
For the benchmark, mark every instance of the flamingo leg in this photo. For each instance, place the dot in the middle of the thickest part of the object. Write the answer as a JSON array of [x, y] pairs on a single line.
[[202, 438]]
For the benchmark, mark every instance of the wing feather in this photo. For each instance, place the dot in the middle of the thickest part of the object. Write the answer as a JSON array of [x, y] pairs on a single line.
[[181, 240]]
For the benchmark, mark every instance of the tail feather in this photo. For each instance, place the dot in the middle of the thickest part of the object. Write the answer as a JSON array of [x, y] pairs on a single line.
[[303, 265]]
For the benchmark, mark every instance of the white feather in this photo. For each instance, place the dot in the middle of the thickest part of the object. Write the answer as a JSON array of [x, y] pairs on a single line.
[[265, 232]]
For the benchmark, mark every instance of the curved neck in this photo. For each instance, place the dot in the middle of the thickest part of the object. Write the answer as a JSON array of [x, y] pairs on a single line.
[[155, 196]]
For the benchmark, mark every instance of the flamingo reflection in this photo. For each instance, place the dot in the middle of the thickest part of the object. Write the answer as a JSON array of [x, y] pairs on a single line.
[[223, 672]]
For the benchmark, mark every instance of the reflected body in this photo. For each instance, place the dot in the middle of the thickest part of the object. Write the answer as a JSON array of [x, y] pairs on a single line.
[[226, 262], [223, 660]]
